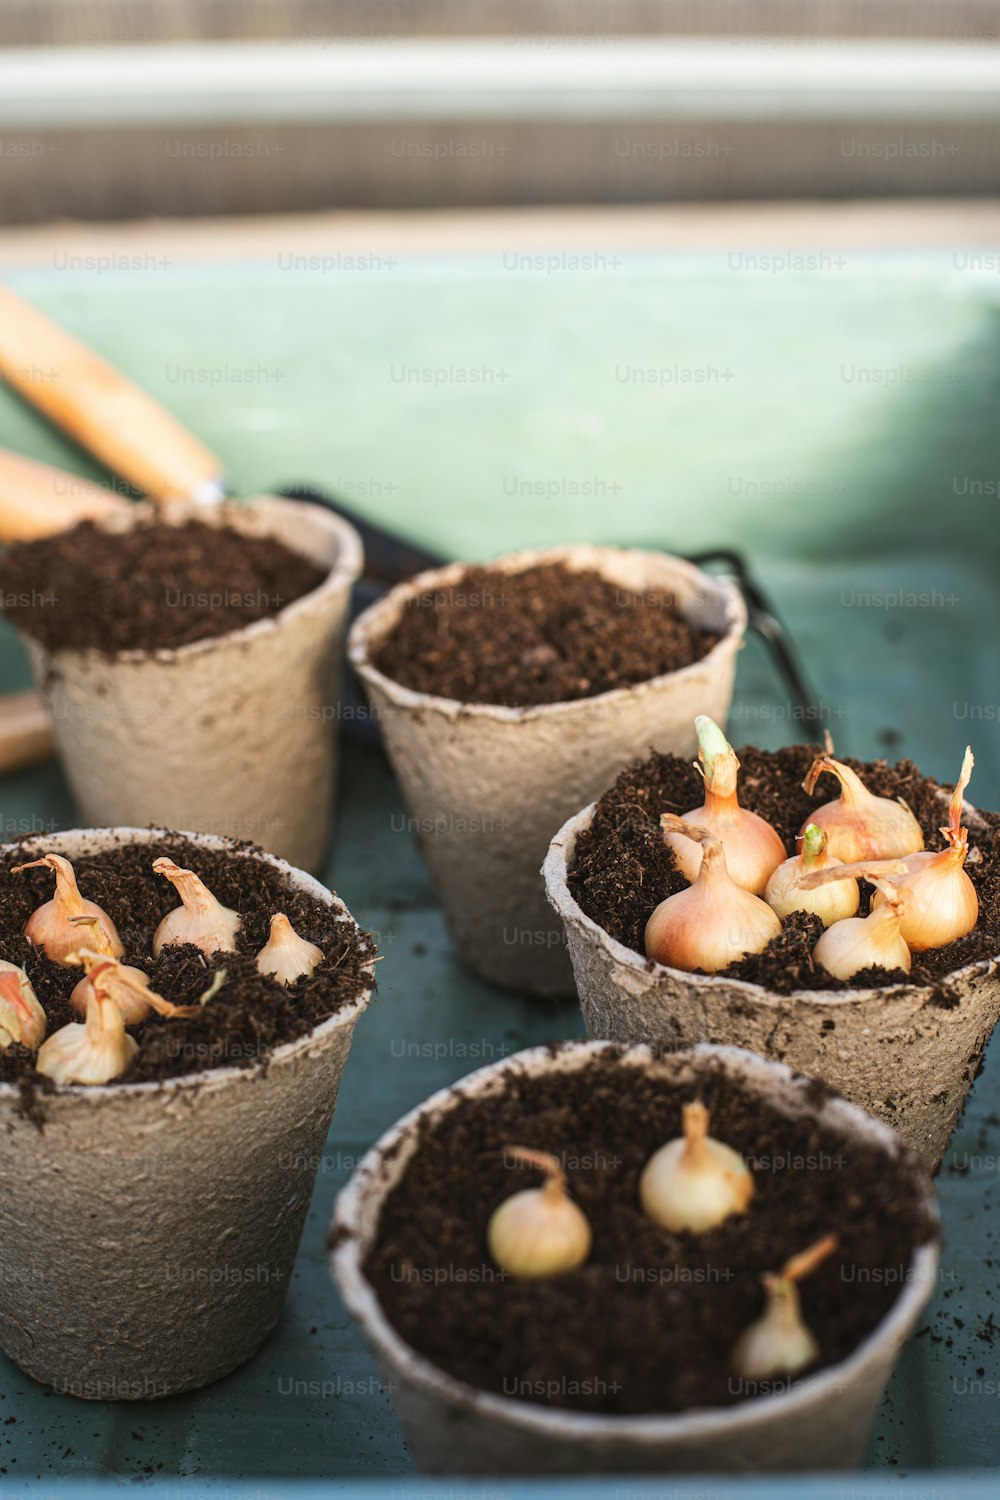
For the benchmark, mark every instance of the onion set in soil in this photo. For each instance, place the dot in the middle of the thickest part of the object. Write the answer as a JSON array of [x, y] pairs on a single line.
[[538, 1231], [695, 1182], [753, 849], [779, 1343]]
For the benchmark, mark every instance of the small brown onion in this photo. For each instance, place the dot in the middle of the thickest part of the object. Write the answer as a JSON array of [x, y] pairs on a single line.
[[539, 1231], [201, 919], [753, 849], [939, 901], [22, 1018], [286, 956], [95, 1053], [859, 825], [779, 1343], [53, 925], [872, 942], [713, 923], [694, 1183], [831, 903]]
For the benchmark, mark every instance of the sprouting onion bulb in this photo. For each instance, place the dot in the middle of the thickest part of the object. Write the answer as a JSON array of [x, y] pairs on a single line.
[[128, 987], [539, 1231], [200, 919], [713, 923], [52, 925], [93, 1053], [22, 1018], [694, 1183], [287, 956], [859, 825], [939, 901], [831, 903], [857, 943], [753, 849], [779, 1343]]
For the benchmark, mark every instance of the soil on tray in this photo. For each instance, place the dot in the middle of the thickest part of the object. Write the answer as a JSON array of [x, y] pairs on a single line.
[[647, 1324], [155, 587], [548, 634], [622, 869], [250, 1015]]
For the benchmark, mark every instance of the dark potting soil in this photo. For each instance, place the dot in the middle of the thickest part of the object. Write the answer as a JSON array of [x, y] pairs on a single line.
[[647, 1324], [154, 587], [544, 635], [249, 1016], [622, 868]]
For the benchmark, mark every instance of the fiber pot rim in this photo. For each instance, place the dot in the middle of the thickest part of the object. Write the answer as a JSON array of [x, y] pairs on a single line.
[[110, 837], [559, 1423], [376, 620], [554, 873], [346, 568]]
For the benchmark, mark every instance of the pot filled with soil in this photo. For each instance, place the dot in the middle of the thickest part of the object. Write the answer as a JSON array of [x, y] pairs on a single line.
[[591, 1258], [175, 1015], [852, 936], [509, 694], [207, 637]]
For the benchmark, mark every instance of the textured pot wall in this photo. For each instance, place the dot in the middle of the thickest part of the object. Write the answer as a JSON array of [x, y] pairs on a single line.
[[901, 1054], [487, 787], [233, 735], [449, 1438], [454, 1429], [148, 1233]]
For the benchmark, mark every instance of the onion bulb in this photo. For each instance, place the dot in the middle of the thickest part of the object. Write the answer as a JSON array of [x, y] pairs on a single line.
[[831, 903], [54, 925], [126, 986], [859, 825], [939, 901], [201, 919], [94, 1053], [872, 942], [694, 1183], [540, 1231], [286, 956], [22, 1018], [779, 1343], [753, 849], [715, 922]]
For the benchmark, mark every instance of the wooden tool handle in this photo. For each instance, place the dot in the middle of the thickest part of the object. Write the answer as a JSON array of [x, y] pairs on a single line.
[[127, 430], [25, 732], [36, 500]]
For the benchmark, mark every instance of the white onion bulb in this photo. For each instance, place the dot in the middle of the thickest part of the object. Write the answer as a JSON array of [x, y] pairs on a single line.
[[286, 956], [779, 1343], [95, 1053], [200, 919], [695, 1182], [539, 1231]]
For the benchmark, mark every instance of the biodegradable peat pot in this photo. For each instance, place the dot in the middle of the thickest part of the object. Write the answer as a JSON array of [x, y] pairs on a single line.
[[233, 734], [865, 1043], [487, 786], [149, 1230], [822, 1422]]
